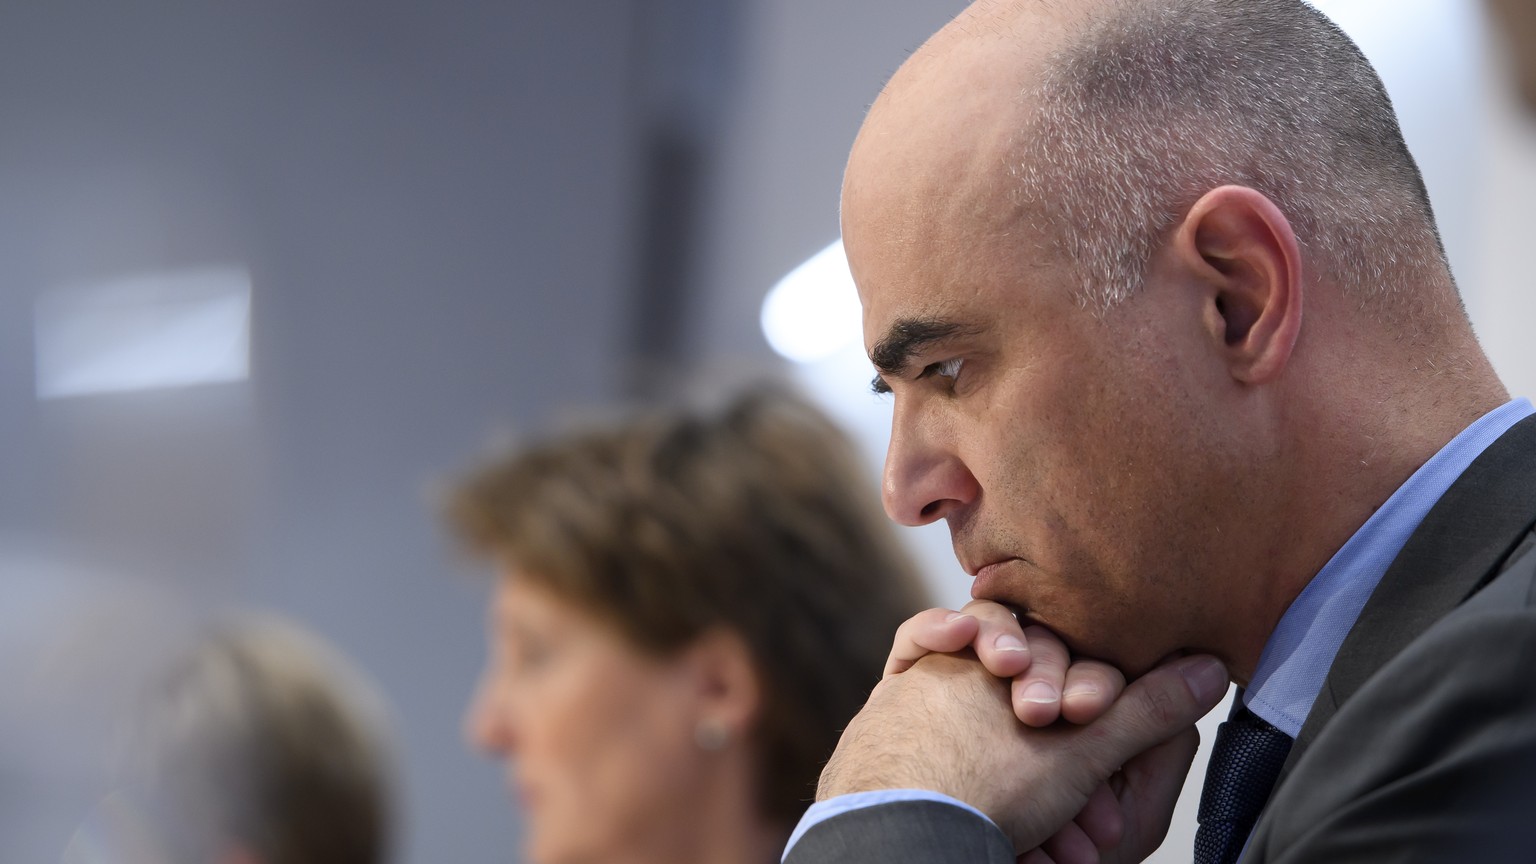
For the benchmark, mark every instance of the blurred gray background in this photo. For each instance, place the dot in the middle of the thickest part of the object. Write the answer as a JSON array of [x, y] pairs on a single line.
[[458, 218]]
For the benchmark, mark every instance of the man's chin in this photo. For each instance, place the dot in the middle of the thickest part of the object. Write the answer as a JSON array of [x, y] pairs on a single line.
[[1085, 646], [1135, 666]]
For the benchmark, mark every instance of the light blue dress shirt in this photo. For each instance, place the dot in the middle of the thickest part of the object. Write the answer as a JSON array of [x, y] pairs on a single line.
[[1299, 653], [1297, 657]]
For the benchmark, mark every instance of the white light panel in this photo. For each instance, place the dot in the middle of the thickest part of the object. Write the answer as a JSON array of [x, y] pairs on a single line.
[[150, 331]]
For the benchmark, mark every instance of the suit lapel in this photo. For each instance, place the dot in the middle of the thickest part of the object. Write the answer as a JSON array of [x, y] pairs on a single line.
[[1458, 547]]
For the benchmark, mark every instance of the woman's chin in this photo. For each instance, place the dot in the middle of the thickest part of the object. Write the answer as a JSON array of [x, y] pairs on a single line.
[[551, 840]]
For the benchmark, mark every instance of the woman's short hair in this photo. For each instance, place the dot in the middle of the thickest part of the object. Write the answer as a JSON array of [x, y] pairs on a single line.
[[756, 517]]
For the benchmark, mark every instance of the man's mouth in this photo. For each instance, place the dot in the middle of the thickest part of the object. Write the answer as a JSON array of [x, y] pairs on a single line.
[[987, 584], [981, 570]]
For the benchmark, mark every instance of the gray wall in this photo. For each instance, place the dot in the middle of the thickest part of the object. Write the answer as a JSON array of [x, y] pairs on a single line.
[[440, 206]]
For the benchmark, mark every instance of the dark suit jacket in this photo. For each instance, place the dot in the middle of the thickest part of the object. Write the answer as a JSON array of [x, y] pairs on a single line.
[[1421, 745]]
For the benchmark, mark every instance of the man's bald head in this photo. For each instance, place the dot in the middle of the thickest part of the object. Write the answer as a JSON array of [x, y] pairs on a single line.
[[1096, 125]]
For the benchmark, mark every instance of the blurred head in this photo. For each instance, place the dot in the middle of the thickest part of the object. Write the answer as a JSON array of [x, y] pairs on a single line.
[[1515, 21], [1083, 236], [262, 745], [690, 608]]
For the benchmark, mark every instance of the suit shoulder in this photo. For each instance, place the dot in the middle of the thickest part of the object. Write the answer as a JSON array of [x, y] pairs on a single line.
[[1435, 756]]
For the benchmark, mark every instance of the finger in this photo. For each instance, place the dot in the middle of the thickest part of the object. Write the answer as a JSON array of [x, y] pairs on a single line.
[[1101, 818], [1037, 692], [1150, 786], [1159, 772], [1156, 707], [1000, 643], [1035, 856], [1090, 688], [932, 631], [1071, 846]]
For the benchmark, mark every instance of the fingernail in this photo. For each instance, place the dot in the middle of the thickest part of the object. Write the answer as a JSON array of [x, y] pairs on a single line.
[[1081, 690], [1008, 642], [1039, 693], [1206, 678], [955, 616]]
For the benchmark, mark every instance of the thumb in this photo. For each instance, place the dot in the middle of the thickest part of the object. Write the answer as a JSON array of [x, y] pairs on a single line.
[[1153, 709], [1149, 788]]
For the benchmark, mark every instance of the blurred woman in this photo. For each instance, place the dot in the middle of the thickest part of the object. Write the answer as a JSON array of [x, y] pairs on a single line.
[[261, 744], [689, 609]]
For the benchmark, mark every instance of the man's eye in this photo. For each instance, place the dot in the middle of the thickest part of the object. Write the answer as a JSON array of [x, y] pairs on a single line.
[[945, 368]]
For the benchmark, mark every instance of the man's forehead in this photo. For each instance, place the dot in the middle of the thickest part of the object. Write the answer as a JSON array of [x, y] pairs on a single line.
[[938, 150], [905, 295], [929, 215], [921, 244]]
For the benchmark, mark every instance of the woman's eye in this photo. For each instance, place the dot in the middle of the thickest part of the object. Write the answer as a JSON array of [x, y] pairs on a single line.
[[531, 654]]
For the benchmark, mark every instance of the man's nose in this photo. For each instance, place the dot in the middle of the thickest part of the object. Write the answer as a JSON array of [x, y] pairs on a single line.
[[925, 480]]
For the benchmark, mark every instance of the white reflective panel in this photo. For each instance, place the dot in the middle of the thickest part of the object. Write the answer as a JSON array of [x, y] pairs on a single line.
[[167, 329], [814, 311]]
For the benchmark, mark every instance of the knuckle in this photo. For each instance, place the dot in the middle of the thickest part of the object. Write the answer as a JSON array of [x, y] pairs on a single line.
[[989, 607], [1160, 708], [927, 619], [1046, 664], [1107, 680], [1045, 643]]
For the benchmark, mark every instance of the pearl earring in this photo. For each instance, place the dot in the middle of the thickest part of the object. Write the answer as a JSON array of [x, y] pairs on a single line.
[[711, 735]]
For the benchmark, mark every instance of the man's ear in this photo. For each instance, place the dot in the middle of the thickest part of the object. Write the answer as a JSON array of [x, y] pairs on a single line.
[[726, 682], [1242, 249]]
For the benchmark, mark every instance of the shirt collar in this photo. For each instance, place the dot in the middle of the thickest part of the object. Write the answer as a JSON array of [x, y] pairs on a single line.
[[1299, 653]]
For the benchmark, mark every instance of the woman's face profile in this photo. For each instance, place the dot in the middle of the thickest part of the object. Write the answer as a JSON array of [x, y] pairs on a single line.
[[598, 737]]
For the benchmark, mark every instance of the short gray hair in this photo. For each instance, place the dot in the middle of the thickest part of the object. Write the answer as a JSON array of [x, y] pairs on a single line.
[[1153, 104]]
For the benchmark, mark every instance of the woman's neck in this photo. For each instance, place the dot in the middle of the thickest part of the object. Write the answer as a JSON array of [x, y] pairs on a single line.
[[724, 824]]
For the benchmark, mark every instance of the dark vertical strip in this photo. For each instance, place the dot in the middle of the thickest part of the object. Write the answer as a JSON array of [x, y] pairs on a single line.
[[665, 282], [683, 79]]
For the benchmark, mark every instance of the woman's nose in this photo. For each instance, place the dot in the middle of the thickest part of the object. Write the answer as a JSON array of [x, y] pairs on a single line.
[[488, 722]]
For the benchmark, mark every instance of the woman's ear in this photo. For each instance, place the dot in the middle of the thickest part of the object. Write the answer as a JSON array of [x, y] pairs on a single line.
[[727, 685], [1242, 252]]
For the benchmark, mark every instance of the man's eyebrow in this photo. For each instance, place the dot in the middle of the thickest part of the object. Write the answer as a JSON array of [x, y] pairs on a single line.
[[907, 337]]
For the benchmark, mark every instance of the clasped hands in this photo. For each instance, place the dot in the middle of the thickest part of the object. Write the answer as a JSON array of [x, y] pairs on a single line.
[[1072, 764]]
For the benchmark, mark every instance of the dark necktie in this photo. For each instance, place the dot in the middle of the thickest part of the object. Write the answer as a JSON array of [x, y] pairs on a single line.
[[1244, 765]]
